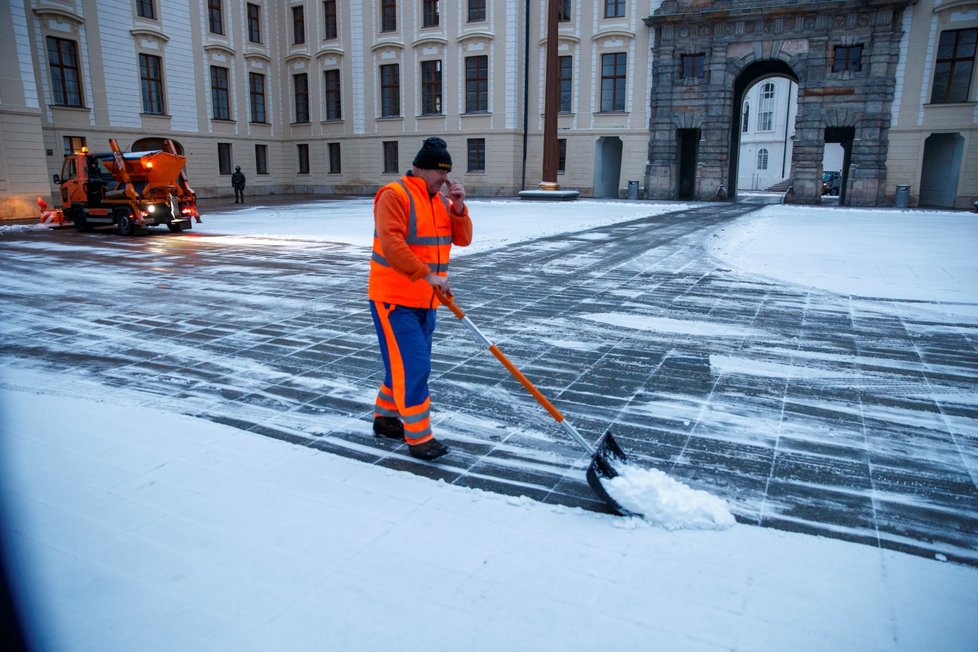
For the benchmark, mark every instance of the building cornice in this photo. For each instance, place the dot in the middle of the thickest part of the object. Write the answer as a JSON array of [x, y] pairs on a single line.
[[331, 51], [151, 33], [678, 11], [613, 33], [261, 56], [58, 12], [474, 36], [381, 45], [218, 47], [951, 5], [430, 40]]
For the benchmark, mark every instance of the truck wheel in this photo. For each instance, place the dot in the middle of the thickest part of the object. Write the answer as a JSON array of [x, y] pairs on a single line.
[[176, 227], [125, 223], [81, 222]]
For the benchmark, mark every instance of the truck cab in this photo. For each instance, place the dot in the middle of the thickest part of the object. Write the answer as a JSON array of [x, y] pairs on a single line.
[[84, 180]]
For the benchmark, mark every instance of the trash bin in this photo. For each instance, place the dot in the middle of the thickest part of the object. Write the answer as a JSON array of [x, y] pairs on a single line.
[[902, 197], [633, 189]]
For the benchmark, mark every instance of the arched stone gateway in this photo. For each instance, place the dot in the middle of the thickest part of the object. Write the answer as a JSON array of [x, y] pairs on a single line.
[[842, 54]]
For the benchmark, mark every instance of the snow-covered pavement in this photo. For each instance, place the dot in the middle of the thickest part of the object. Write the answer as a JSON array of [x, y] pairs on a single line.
[[136, 528], [141, 530]]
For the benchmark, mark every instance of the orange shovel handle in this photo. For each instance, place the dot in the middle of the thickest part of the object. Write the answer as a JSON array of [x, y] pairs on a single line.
[[510, 367]]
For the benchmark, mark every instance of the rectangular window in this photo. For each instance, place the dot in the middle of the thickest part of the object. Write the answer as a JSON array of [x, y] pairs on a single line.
[[298, 25], [847, 58], [261, 159], [955, 66], [431, 87], [220, 93], [390, 157], [477, 84], [390, 91], [563, 11], [145, 9], [477, 11], [254, 23], [388, 15], [692, 66], [329, 11], [765, 108], [300, 85], [215, 18], [561, 155], [613, 69], [333, 150], [332, 98], [224, 158], [614, 8], [65, 80], [256, 89], [476, 154], [566, 67], [73, 144], [303, 152], [151, 81], [429, 13]]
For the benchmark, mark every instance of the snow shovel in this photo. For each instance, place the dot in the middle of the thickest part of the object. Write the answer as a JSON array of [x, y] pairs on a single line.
[[606, 455]]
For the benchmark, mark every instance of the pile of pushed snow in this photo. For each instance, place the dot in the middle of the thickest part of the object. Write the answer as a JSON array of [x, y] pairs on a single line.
[[20, 228], [667, 502]]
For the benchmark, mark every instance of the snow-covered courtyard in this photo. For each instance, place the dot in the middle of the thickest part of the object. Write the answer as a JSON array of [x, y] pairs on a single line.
[[198, 474]]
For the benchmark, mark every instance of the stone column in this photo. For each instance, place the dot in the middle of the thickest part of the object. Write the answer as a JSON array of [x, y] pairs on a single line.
[[661, 174]]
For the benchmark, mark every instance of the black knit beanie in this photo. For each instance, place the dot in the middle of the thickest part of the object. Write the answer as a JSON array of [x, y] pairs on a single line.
[[434, 155]]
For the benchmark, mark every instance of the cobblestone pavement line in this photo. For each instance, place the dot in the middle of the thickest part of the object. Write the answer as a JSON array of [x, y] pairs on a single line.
[[809, 411]]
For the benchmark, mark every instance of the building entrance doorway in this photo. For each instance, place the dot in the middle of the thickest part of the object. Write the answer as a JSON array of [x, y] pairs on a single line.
[[607, 166], [940, 170], [689, 145]]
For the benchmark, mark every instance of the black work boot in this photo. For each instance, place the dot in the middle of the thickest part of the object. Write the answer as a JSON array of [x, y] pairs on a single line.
[[390, 427], [430, 450]]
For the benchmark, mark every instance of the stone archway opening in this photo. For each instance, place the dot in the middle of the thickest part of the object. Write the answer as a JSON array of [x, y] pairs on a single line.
[[767, 133], [770, 119], [837, 159]]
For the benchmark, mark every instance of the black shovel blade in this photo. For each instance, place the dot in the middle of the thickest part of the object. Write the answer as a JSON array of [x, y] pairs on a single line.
[[607, 456]]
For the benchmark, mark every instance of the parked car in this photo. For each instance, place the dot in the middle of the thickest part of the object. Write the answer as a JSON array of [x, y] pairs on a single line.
[[831, 182]]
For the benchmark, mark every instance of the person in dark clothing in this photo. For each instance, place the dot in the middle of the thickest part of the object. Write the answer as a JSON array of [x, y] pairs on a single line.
[[238, 183]]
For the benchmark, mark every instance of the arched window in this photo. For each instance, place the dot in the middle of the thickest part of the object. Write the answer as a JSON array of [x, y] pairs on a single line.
[[745, 126], [762, 158]]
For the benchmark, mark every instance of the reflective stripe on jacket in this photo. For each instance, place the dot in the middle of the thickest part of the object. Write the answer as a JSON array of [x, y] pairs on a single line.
[[413, 237]]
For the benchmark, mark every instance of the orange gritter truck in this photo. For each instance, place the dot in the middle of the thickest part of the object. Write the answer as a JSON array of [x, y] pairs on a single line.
[[130, 190]]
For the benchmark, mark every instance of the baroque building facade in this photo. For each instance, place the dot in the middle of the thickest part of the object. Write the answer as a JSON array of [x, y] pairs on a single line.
[[335, 96]]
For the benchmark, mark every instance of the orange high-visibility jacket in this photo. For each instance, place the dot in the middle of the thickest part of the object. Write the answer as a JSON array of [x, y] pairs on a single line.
[[413, 236]]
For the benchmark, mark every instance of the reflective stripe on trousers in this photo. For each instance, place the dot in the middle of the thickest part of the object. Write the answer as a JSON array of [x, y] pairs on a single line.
[[405, 336]]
